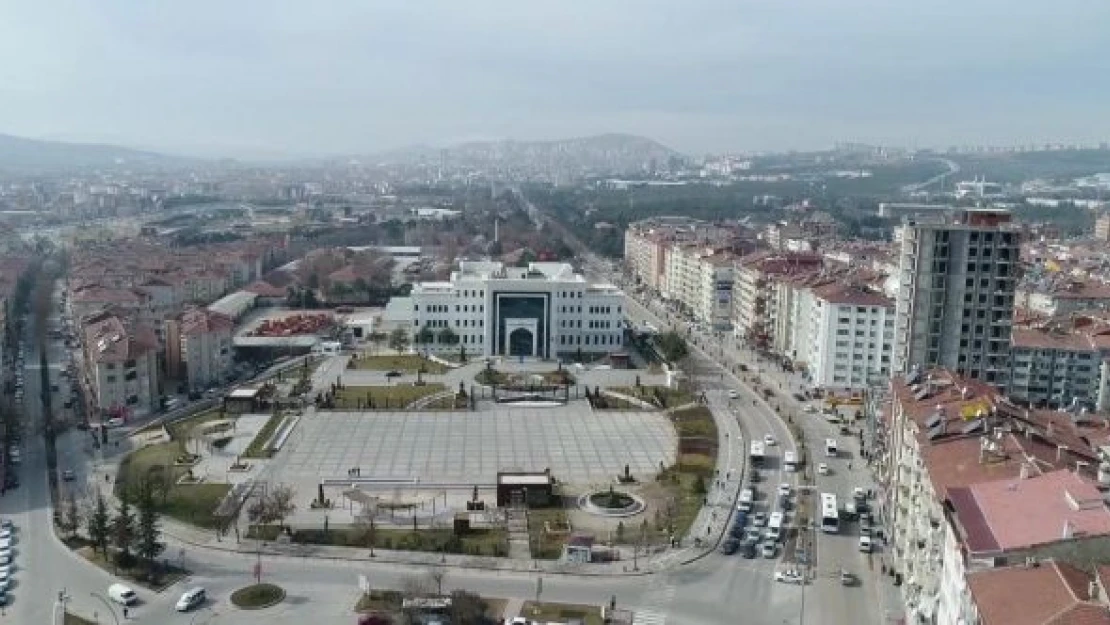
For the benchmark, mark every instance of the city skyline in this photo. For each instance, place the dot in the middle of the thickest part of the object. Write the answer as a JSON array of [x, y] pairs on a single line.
[[274, 80]]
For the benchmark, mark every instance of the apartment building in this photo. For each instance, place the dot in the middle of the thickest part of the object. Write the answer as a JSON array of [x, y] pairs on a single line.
[[121, 365], [1060, 362], [1102, 227], [754, 292], [955, 303], [648, 244], [713, 296], [199, 347], [851, 336], [1062, 296], [946, 434], [545, 310]]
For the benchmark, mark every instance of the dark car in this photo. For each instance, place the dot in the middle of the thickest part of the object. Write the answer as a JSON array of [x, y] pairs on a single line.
[[754, 477], [393, 374], [730, 546], [748, 550], [12, 481], [736, 531]]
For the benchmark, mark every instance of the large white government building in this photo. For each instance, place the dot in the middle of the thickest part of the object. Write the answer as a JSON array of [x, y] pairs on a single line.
[[543, 310]]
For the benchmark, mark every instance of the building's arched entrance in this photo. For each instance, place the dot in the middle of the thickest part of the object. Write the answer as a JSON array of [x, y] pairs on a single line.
[[522, 342]]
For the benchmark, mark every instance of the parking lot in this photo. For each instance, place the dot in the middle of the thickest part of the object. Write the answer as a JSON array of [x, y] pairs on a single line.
[[579, 446]]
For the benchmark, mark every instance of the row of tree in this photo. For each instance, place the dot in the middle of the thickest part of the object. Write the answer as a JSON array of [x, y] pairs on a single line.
[[132, 532]]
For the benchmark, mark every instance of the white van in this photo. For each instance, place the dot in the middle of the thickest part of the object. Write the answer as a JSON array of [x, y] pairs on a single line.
[[746, 497], [122, 594], [774, 526]]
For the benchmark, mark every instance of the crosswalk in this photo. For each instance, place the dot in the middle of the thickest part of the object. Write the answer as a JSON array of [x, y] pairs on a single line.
[[657, 598]]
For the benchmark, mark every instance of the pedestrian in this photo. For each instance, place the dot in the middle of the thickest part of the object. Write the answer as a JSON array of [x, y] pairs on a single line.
[[125, 612]]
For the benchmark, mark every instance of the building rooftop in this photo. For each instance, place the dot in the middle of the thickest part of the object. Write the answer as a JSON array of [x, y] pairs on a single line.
[[1013, 514], [1050, 593], [848, 294]]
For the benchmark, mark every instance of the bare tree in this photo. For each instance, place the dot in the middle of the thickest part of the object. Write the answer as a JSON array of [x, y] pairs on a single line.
[[367, 530], [281, 503], [415, 587]]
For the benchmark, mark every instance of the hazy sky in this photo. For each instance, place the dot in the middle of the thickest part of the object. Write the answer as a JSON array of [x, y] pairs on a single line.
[[308, 77]]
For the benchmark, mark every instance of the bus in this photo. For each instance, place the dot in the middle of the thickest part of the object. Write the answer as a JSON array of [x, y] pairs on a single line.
[[789, 461], [830, 447], [774, 526], [830, 514], [756, 453]]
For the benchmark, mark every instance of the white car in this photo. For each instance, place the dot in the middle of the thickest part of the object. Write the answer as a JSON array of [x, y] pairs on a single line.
[[810, 408], [865, 544], [5, 533], [789, 577], [822, 469], [769, 439], [785, 489], [733, 395]]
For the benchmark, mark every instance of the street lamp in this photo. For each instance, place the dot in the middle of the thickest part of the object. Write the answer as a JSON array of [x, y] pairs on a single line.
[[107, 604]]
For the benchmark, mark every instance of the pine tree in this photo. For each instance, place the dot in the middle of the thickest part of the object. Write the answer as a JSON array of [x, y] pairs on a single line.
[[148, 546], [123, 530], [100, 525], [70, 522]]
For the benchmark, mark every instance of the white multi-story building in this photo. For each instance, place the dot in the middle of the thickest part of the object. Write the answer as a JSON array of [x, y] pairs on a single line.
[[713, 303], [1058, 363], [199, 347], [852, 331], [955, 302], [753, 301], [543, 310], [121, 365]]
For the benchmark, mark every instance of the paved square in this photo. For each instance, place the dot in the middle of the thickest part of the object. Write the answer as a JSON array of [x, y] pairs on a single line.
[[578, 445]]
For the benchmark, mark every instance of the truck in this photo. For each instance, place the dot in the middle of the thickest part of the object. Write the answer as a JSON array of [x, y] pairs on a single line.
[[757, 452]]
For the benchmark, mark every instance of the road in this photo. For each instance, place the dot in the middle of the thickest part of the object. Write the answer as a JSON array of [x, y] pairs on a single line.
[[953, 169]]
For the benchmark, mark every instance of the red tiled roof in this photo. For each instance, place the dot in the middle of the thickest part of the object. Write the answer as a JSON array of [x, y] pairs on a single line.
[[1052, 593], [840, 293], [262, 288]]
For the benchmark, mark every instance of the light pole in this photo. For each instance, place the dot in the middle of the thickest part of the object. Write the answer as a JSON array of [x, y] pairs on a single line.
[[60, 602], [107, 604]]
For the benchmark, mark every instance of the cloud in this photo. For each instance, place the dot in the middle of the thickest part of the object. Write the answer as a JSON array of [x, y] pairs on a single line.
[[351, 76]]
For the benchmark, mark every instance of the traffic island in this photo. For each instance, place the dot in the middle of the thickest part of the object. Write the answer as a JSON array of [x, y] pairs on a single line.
[[544, 612], [258, 596]]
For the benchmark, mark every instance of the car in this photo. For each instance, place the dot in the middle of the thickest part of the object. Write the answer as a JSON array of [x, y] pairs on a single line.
[[3, 598], [865, 525], [822, 469], [7, 524], [6, 553], [847, 579], [68, 475], [190, 599], [518, 620], [6, 543], [810, 408], [759, 519], [789, 576], [859, 494], [769, 440], [736, 531], [5, 558], [115, 422], [733, 395], [6, 569], [122, 595], [769, 549], [393, 373], [785, 489], [5, 534], [799, 397], [730, 546], [865, 544], [748, 550]]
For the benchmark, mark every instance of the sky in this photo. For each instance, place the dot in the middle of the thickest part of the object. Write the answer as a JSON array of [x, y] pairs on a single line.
[[285, 78]]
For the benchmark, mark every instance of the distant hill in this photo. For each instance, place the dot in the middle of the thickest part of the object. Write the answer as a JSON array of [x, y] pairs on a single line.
[[614, 153], [21, 154]]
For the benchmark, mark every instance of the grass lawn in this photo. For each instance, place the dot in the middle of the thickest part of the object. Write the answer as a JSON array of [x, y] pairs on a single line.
[[696, 422], [353, 397], [667, 397], [405, 363], [192, 503], [138, 574], [679, 486], [545, 545], [477, 542], [257, 596], [257, 448], [542, 611], [179, 430]]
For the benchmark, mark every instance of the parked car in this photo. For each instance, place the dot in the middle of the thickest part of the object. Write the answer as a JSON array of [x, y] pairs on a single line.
[[789, 577], [770, 549], [822, 469], [747, 550], [68, 475]]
